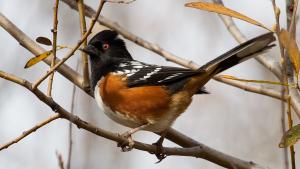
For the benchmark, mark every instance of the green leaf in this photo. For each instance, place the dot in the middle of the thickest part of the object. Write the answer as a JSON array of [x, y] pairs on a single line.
[[290, 137]]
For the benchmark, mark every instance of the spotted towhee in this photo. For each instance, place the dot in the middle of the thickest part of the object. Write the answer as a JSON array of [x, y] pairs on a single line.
[[150, 97]]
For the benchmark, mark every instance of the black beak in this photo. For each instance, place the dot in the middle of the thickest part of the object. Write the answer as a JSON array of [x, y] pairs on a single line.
[[90, 49]]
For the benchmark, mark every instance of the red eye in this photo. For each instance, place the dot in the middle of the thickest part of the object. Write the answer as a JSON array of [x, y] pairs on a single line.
[[105, 46]]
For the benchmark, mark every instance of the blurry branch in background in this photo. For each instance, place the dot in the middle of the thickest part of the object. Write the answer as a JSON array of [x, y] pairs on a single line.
[[84, 57], [70, 148], [54, 42], [60, 160], [121, 1], [27, 132]]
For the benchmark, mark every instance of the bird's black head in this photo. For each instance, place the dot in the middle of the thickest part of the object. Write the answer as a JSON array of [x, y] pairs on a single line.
[[106, 51]]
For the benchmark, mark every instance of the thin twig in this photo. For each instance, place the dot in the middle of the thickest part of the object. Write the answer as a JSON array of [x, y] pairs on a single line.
[[290, 122], [54, 42], [70, 123], [84, 57], [293, 10], [60, 160], [65, 58], [121, 1], [251, 88], [284, 75], [31, 130], [283, 127]]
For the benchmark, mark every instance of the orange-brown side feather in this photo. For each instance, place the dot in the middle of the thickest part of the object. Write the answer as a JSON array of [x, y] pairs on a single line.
[[146, 104]]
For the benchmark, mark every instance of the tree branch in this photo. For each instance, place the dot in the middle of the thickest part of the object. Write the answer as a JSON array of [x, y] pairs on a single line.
[[54, 42], [33, 129], [199, 151], [84, 57]]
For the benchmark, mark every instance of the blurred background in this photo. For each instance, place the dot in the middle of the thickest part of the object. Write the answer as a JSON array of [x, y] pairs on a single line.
[[238, 123]]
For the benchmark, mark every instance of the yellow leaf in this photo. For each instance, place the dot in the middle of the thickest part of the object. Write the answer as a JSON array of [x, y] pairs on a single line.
[[290, 137], [220, 9], [290, 44], [41, 57], [253, 81], [37, 59]]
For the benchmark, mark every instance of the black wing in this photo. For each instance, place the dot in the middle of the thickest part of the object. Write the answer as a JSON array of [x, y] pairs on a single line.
[[140, 74]]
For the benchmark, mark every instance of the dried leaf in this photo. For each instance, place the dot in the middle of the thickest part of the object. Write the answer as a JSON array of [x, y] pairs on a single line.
[[290, 137], [220, 9], [253, 81], [290, 44], [43, 40], [37, 59]]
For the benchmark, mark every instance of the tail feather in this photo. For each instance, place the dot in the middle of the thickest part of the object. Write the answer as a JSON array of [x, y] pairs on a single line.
[[239, 54]]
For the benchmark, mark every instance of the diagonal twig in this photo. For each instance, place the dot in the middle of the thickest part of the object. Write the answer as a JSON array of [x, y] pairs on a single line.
[[28, 132]]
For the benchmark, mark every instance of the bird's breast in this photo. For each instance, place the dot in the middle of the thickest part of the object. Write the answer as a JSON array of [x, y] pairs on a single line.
[[133, 107]]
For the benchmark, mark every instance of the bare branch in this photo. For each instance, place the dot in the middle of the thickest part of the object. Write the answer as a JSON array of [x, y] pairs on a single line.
[[33, 129], [121, 1], [54, 31], [60, 160], [84, 57], [251, 88]]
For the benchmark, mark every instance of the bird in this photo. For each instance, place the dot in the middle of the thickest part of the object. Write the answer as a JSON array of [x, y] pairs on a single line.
[[151, 97]]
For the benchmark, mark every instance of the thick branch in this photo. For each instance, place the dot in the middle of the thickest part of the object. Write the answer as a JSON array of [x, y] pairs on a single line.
[[200, 151]]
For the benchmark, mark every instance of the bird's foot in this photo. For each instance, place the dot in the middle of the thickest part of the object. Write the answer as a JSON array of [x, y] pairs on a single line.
[[160, 153], [126, 145]]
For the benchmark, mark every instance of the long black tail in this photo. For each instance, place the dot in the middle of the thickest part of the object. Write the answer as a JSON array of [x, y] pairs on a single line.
[[239, 54]]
